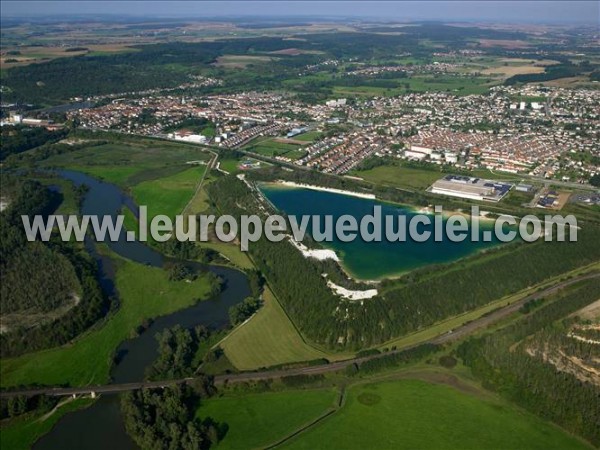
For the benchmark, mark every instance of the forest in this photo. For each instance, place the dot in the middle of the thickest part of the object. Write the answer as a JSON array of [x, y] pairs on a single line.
[[19, 139], [165, 418], [38, 278], [501, 360], [177, 349]]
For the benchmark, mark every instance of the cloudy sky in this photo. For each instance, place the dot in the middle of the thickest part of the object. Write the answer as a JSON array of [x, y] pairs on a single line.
[[506, 11]]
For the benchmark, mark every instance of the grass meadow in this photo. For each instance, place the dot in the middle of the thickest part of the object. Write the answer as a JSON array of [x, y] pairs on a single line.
[[257, 420], [129, 163], [22, 432], [168, 195], [413, 414]]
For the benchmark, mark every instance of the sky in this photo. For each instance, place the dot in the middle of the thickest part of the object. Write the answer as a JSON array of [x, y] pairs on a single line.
[[499, 11]]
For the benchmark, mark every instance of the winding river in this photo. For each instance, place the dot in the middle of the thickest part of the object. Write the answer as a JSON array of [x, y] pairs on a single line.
[[100, 426]]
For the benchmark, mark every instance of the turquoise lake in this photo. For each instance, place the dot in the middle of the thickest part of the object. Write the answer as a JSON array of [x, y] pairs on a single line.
[[369, 260]]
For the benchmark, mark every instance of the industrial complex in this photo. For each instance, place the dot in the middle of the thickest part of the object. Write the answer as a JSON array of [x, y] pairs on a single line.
[[471, 188]]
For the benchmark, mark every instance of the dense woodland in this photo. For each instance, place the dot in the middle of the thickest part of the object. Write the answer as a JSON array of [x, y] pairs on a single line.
[[177, 349], [500, 360], [409, 303], [20, 404], [244, 310], [38, 278], [20, 138], [165, 418]]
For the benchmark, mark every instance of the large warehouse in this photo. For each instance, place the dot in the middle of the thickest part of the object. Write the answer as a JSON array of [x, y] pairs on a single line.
[[471, 188]]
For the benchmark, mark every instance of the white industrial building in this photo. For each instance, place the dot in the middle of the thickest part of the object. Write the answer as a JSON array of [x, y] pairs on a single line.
[[471, 188]]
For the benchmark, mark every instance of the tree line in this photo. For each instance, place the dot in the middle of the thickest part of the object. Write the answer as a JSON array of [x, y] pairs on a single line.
[[18, 139]]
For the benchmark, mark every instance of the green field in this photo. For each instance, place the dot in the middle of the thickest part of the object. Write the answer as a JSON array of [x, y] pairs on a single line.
[[402, 177], [268, 339], [22, 432], [309, 136], [231, 165], [419, 179], [267, 146], [425, 83], [145, 292], [168, 195], [256, 420], [130, 163], [117, 175], [411, 414]]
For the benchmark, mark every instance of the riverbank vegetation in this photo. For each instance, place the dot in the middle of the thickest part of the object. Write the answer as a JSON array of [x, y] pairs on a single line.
[[180, 352], [144, 292], [21, 432], [165, 418], [50, 292], [244, 310]]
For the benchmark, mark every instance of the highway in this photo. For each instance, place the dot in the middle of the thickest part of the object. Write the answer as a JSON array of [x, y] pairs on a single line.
[[455, 334]]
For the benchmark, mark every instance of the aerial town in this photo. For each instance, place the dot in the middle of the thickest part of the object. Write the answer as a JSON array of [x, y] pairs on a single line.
[[476, 131], [354, 225], [541, 139]]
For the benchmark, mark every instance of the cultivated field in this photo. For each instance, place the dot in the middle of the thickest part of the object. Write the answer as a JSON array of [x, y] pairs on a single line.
[[269, 338], [241, 61]]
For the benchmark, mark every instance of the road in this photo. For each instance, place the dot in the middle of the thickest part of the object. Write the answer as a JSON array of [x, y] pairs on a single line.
[[456, 334], [211, 163]]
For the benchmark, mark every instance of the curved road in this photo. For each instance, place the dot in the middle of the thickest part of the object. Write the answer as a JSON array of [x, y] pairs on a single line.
[[457, 333]]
